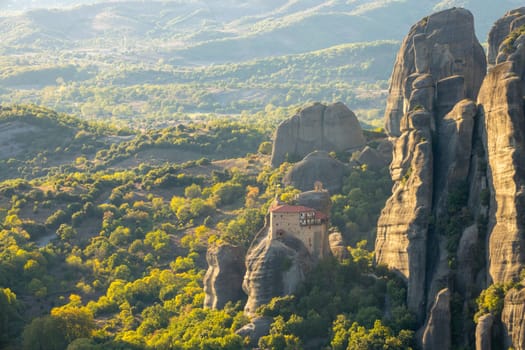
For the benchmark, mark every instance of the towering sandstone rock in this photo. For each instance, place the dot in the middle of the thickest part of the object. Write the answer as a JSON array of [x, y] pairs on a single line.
[[501, 98], [442, 45], [503, 111], [223, 279], [459, 173], [317, 127], [437, 74]]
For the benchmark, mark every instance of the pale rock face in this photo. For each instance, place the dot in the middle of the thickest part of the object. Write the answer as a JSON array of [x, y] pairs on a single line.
[[503, 111], [500, 30], [402, 227], [317, 127], [338, 246], [317, 166], [437, 332], [484, 332], [274, 268], [430, 109], [223, 279], [513, 318], [501, 97], [467, 255], [441, 45]]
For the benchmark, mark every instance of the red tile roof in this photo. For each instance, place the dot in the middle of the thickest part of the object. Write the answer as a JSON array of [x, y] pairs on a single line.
[[297, 209]]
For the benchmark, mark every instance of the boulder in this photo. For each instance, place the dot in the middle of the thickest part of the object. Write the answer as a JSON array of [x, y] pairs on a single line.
[[338, 246], [257, 328], [317, 199], [317, 127], [223, 279], [371, 158], [317, 166]]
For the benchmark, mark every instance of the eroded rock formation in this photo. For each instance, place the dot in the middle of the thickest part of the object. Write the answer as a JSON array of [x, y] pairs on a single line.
[[500, 31], [317, 127], [338, 247], [317, 166], [274, 268], [484, 332], [286, 249], [501, 97], [223, 279], [437, 75], [437, 332], [438, 47], [456, 218], [513, 317]]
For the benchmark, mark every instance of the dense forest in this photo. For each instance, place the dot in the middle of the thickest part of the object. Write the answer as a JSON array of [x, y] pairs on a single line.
[[95, 254]]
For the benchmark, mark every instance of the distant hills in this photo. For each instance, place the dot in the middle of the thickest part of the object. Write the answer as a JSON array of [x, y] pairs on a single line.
[[73, 48], [211, 31]]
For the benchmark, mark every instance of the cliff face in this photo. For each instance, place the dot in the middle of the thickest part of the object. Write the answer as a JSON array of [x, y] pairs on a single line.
[[223, 279], [402, 227], [503, 110], [442, 45], [501, 97], [317, 127], [456, 218], [435, 74]]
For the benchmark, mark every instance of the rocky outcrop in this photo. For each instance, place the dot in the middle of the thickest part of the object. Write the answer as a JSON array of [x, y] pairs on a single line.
[[277, 262], [462, 164], [484, 332], [437, 333], [257, 328], [402, 227], [317, 127], [317, 166], [468, 257], [431, 111], [223, 279], [274, 268], [372, 158], [513, 318], [501, 97], [503, 111], [500, 31], [437, 48], [317, 199], [338, 246]]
